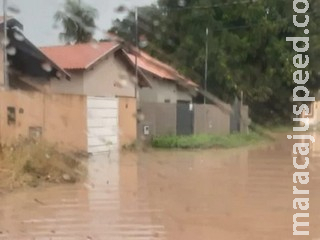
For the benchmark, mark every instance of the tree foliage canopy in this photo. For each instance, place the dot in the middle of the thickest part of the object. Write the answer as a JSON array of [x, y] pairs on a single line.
[[78, 21], [248, 51]]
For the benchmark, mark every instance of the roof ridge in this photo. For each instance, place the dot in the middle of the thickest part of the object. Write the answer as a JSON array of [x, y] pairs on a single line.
[[102, 55], [79, 56], [78, 44]]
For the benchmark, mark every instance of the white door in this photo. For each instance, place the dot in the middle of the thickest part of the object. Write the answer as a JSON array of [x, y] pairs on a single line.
[[102, 116]]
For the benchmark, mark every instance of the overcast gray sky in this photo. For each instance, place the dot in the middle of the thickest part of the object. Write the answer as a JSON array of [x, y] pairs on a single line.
[[37, 16]]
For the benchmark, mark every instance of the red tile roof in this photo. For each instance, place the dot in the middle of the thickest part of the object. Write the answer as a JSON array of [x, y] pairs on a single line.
[[79, 56], [160, 69]]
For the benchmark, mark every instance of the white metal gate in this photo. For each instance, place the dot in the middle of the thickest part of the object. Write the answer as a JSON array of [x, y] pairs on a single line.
[[102, 124]]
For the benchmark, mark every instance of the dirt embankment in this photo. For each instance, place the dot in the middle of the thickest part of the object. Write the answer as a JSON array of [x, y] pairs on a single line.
[[32, 163]]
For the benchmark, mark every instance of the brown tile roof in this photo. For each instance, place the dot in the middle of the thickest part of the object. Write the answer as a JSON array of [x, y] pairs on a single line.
[[79, 56], [152, 65], [160, 69]]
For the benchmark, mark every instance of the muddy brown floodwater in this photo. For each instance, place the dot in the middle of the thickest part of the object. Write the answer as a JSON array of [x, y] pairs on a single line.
[[243, 194]]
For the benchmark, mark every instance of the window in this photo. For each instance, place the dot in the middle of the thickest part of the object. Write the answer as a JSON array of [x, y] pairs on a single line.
[[167, 101], [11, 115], [35, 132]]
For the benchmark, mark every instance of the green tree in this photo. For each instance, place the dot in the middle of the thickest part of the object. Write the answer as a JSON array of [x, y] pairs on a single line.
[[248, 51], [78, 22]]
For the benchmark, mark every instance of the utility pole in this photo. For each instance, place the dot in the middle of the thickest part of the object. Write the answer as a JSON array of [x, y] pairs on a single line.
[[5, 42], [136, 85], [136, 54], [206, 66]]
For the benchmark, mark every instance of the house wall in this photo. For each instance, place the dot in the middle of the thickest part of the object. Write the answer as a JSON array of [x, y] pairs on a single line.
[[61, 118], [74, 86], [162, 90], [149, 94], [103, 78], [54, 85], [127, 120], [41, 84], [184, 95]]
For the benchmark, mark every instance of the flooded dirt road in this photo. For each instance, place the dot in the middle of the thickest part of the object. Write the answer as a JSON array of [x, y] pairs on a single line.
[[243, 194]]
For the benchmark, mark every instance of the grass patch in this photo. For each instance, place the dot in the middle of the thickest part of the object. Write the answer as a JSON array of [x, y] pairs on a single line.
[[271, 128], [30, 163], [207, 141], [280, 129]]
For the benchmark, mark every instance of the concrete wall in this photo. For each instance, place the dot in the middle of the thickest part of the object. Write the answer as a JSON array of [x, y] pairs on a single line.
[[314, 114], [239, 117], [127, 120], [103, 79], [1, 62], [210, 119], [163, 90], [1, 65], [245, 119], [160, 117], [61, 118], [166, 119]]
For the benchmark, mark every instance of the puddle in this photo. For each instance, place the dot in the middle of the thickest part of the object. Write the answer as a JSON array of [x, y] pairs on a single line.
[[216, 194]]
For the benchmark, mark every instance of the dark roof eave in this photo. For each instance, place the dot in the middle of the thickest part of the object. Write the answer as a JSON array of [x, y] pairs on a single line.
[[38, 51], [12, 22]]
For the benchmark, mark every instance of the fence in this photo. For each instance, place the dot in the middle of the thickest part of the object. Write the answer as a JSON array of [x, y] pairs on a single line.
[[185, 118], [210, 119], [158, 119], [73, 122], [60, 119], [239, 117]]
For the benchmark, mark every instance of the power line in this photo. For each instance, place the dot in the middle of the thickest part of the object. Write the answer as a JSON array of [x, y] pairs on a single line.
[[211, 6], [178, 8]]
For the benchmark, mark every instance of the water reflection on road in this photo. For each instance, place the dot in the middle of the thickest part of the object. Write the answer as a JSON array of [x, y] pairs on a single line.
[[235, 194]]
